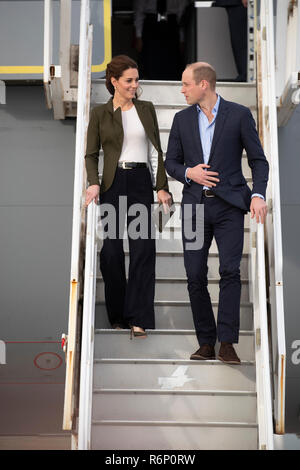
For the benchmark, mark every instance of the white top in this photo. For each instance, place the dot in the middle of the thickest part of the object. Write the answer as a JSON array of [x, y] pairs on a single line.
[[135, 143]]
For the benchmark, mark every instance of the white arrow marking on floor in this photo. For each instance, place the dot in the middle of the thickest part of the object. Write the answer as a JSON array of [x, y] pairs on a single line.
[[177, 379]]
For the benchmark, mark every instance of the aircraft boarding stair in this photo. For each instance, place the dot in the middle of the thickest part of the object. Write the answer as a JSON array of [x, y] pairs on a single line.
[[147, 394]]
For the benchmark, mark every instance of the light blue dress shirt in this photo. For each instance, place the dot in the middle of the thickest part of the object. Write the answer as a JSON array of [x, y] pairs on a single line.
[[206, 130]]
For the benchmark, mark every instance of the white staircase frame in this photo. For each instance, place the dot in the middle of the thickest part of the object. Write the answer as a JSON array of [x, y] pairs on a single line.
[[268, 123], [88, 321], [269, 137], [83, 107], [258, 297]]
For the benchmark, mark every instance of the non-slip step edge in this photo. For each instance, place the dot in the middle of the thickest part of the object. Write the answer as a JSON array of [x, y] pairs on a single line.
[[162, 331], [221, 424], [181, 303], [180, 253], [176, 83], [171, 253], [175, 362], [135, 391], [182, 280]]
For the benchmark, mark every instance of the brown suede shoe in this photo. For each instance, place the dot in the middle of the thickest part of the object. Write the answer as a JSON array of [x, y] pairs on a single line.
[[227, 354], [205, 353]]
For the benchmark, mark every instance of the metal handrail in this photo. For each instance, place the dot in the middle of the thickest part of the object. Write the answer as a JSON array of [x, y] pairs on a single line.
[[47, 50], [88, 320], [78, 230], [83, 247], [258, 296], [273, 239]]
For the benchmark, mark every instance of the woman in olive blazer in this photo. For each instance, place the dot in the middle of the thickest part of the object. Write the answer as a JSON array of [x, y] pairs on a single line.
[[127, 130]]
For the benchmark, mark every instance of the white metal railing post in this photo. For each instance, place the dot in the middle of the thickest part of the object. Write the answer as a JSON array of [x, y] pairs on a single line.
[[281, 40], [288, 59], [47, 50], [87, 344], [79, 211], [251, 73], [278, 307], [88, 314], [263, 373], [269, 132], [65, 45]]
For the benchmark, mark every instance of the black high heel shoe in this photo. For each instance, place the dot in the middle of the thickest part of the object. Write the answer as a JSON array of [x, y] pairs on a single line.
[[137, 334]]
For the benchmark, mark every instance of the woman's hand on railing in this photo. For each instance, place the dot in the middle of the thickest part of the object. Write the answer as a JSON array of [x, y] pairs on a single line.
[[258, 209], [164, 198], [92, 193]]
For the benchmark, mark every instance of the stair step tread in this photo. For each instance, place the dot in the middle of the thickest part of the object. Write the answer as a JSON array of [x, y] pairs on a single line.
[[182, 303], [154, 391], [169, 344], [182, 279], [173, 374], [178, 83], [175, 423], [161, 331], [180, 253], [120, 376], [174, 436], [175, 362]]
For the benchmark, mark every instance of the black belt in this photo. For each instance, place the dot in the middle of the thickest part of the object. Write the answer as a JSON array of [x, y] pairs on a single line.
[[208, 193], [131, 165]]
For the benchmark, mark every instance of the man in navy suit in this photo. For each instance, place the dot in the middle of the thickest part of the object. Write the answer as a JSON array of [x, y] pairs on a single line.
[[205, 154]]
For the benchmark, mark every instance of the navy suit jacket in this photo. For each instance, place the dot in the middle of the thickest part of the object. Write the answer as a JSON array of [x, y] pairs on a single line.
[[235, 130]]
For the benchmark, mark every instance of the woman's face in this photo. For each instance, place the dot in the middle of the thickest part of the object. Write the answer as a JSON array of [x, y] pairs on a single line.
[[127, 85]]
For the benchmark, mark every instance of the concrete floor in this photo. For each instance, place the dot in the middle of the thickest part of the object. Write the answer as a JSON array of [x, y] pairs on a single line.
[[42, 442]]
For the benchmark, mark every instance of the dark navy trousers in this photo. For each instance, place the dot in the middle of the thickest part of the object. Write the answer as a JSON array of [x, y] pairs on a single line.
[[226, 223], [129, 301]]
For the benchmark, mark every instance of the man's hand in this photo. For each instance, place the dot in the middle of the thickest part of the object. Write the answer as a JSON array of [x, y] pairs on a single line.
[[92, 192], [164, 198], [202, 176], [258, 209]]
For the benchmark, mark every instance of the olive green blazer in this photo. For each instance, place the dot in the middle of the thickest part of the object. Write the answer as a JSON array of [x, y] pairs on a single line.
[[105, 129]]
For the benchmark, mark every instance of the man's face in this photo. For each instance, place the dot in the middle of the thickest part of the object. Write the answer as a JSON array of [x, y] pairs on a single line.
[[193, 93]]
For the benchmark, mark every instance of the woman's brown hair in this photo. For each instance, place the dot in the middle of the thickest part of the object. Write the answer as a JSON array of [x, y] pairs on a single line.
[[115, 69]]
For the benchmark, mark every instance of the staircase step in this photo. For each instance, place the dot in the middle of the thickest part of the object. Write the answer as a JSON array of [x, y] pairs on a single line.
[[168, 93], [147, 393], [170, 374], [171, 240], [171, 265], [176, 289], [155, 435], [110, 404], [165, 113], [175, 315], [160, 344]]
